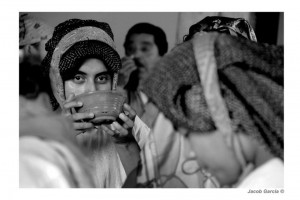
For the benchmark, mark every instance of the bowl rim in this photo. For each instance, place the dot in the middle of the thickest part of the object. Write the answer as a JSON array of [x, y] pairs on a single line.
[[99, 91]]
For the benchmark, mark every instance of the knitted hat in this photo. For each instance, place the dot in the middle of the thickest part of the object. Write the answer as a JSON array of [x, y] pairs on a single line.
[[32, 30], [73, 41], [171, 81], [248, 78]]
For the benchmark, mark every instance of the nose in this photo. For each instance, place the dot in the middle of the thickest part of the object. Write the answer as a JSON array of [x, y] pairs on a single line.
[[91, 87], [137, 54]]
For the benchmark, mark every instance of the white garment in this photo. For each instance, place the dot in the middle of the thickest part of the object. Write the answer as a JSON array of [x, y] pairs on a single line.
[[163, 153], [268, 175], [49, 164], [48, 154], [109, 171]]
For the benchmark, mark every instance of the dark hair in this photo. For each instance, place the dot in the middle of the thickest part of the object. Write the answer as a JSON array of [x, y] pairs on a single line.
[[159, 35], [31, 80]]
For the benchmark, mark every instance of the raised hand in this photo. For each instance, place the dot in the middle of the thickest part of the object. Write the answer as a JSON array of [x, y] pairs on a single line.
[[80, 120], [128, 66], [121, 129]]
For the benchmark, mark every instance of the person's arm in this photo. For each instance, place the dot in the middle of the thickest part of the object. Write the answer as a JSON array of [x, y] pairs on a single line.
[[129, 154], [122, 135]]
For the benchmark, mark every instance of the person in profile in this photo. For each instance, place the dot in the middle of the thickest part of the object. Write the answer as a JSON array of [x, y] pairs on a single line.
[[225, 96]]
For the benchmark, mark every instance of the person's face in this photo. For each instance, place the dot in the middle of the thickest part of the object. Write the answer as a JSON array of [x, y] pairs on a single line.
[[216, 157], [145, 52], [35, 52], [91, 76]]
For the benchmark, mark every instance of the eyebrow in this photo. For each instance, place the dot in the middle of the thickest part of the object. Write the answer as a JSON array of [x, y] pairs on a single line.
[[99, 74], [143, 43], [147, 43]]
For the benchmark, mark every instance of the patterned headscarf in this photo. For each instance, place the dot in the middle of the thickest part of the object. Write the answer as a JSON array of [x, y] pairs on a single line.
[[238, 27], [73, 41], [33, 30], [218, 82]]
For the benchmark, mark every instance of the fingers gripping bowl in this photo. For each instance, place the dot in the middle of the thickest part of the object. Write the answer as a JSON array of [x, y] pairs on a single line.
[[106, 105]]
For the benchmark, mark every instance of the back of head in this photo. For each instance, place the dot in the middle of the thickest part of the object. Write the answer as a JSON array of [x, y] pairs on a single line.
[[159, 35], [238, 27], [31, 81], [250, 81]]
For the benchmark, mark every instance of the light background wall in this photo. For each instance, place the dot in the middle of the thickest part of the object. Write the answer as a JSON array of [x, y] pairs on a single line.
[[120, 22]]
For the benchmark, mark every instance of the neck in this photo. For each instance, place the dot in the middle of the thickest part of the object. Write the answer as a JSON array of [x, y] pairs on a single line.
[[261, 156]]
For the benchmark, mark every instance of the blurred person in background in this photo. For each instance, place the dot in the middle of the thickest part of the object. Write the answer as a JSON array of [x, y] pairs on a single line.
[[33, 35], [173, 151], [49, 156], [144, 45], [224, 96]]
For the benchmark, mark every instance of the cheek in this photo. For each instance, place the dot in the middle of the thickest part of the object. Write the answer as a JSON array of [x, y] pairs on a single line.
[[152, 59], [103, 87], [72, 88]]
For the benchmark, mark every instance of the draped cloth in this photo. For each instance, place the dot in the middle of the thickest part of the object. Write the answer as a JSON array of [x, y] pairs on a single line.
[[248, 77]]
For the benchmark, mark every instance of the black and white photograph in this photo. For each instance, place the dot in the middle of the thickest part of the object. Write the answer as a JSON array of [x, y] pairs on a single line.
[[203, 112], [138, 102]]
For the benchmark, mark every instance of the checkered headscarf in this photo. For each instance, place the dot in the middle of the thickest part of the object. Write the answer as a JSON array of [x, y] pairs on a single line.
[[214, 77]]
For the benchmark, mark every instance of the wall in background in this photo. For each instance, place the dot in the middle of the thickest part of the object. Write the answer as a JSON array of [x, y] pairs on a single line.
[[120, 22]]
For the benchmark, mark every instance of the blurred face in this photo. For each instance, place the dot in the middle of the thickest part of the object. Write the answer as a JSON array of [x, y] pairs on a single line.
[[216, 157], [91, 76], [145, 52], [34, 52]]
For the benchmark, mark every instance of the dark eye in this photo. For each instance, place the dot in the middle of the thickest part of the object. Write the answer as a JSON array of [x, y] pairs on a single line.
[[78, 78], [145, 48], [130, 50], [103, 78]]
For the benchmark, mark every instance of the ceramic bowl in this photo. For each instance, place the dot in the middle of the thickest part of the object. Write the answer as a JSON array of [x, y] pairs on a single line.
[[106, 105]]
